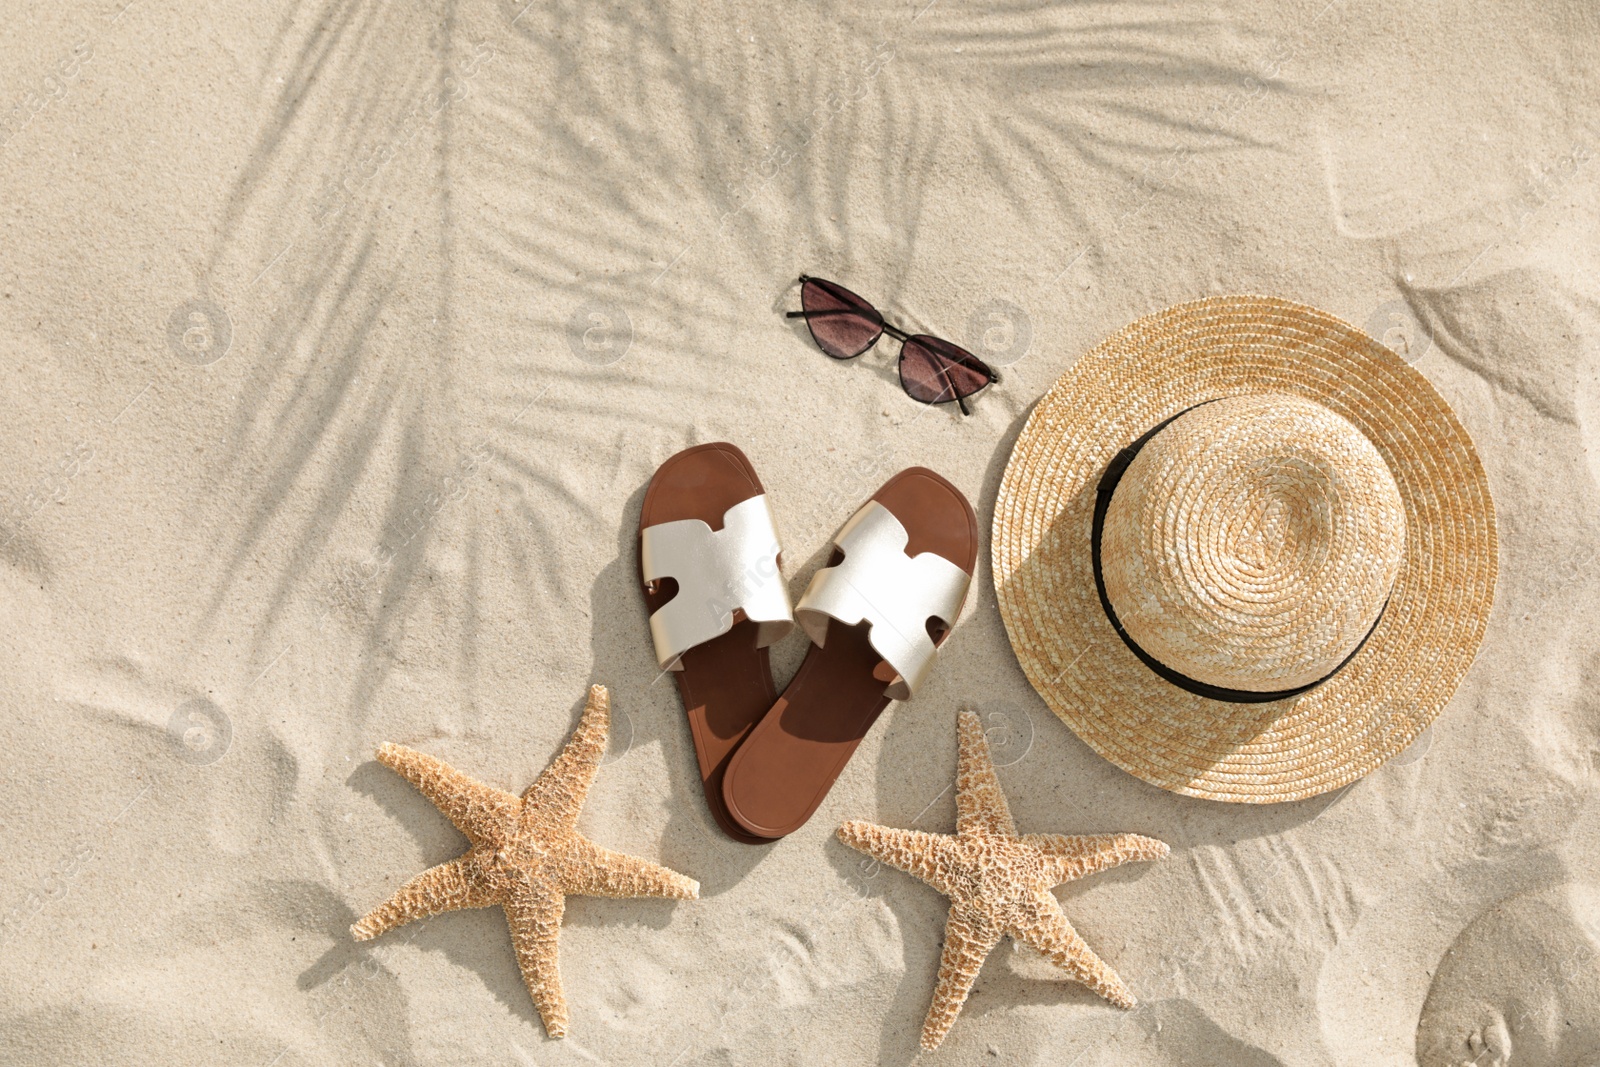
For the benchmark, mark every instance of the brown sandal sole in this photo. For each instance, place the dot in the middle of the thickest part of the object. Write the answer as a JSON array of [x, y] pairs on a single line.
[[726, 683], [784, 769]]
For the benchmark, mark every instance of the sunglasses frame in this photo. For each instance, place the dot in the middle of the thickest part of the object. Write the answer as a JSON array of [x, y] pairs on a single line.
[[873, 314]]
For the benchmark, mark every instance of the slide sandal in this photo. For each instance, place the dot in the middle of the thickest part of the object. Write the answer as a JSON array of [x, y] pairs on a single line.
[[709, 560], [876, 616]]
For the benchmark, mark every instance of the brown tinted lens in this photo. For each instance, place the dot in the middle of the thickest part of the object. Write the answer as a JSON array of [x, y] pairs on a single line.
[[843, 324], [935, 371]]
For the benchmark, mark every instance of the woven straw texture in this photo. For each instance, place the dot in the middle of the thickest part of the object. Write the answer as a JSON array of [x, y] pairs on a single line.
[[1439, 593], [1252, 543]]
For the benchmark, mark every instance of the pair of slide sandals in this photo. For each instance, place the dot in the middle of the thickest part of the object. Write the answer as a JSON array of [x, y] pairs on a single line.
[[710, 560]]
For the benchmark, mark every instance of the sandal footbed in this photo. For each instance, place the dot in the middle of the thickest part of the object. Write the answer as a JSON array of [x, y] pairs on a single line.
[[784, 769], [726, 683]]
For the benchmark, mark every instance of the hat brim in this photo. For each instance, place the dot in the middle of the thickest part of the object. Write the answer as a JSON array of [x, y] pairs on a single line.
[[1385, 695]]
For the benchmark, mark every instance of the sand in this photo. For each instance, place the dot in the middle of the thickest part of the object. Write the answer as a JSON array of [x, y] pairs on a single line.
[[340, 340]]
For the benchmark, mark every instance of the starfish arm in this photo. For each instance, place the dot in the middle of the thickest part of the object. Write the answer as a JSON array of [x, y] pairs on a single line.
[[912, 851], [534, 913], [1045, 929], [557, 795], [443, 888], [967, 941], [481, 812], [980, 805], [592, 871], [1071, 858]]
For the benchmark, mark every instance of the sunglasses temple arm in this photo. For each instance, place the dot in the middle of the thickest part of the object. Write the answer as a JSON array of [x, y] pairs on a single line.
[[822, 313], [961, 401]]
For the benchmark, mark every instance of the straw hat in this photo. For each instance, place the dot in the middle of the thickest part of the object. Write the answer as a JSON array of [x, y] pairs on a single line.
[[1244, 550]]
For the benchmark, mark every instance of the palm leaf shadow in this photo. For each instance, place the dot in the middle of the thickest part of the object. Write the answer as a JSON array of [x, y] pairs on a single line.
[[414, 270], [312, 215]]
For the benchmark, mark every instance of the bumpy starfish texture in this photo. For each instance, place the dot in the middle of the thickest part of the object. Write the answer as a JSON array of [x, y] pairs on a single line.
[[527, 856], [999, 883]]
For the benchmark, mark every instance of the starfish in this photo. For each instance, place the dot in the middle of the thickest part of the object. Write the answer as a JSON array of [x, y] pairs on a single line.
[[527, 856], [999, 883]]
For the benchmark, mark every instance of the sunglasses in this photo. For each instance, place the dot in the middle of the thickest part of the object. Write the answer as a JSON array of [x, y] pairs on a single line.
[[932, 371]]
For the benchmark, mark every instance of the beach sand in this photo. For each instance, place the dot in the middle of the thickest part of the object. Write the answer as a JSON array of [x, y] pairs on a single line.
[[341, 339]]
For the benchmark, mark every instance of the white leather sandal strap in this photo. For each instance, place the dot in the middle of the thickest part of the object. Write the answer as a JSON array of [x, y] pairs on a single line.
[[717, 573], [877, 582]]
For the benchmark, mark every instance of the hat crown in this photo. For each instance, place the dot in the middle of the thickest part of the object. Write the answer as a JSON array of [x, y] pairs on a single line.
[[1252, 542]]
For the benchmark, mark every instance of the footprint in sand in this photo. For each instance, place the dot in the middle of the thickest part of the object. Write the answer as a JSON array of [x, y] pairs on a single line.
[[1520, 985]]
